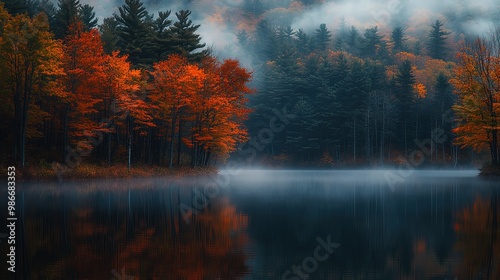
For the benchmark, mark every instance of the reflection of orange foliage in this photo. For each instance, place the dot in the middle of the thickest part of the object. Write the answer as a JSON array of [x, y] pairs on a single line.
[[420, 246], [477, 240], [210, 247], [147, 242]]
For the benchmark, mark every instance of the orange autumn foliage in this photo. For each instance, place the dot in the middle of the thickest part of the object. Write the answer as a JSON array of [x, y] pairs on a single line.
[[175, 84], [220, 109], [420, 90], [123, 85], [477, 86], [425, 69], [211, 98], [85, 73], [30, 71]]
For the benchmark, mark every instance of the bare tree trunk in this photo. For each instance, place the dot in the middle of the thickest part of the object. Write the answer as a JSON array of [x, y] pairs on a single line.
[[109, 147], [129, 142], [354, 136], [367, 131], [494, 148], [171, 149], [406, 142], [65, 131], [179, 143], [382, 133]]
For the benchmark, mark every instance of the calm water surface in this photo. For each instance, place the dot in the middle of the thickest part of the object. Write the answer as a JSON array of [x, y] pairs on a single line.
[[261, 225]]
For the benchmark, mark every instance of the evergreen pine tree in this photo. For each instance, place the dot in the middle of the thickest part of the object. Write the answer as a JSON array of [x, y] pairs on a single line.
[[47, 7], [87, 15], [303, 42], [301, 142], [354, 41], [286, 36], [417, 48], [350, 91], [109, 34], [322, 37], [326, 102], [341, 40], [254, 6], [163, 35], [185, 39], [404, 81], [66, 15], [398, 40], [15, 7], [373, 44], [265, 42], [340, 71], [134, 31], [444, 97], [436, 45]]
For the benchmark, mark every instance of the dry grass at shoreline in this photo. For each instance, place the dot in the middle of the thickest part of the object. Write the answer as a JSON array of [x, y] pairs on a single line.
[[94, 171]]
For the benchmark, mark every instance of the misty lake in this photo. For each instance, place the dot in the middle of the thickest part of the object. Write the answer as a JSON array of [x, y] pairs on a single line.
[[261, 225]]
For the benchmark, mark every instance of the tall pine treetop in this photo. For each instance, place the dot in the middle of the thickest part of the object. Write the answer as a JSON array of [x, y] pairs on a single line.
[[185, 38], [163, 35], [134, 28], [66, 15], [398, 39], [87, 15], [437, 41], [322, 37], [15, 7]]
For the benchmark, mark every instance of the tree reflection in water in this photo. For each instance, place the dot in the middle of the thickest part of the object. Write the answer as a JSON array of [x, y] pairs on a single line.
[[478, 239], [87, 234]]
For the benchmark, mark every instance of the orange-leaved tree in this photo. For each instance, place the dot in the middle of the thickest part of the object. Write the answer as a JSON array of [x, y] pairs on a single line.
[[220, 110], [127, 106], [85, 75], [30, 65], [175, 84], [477, 85]]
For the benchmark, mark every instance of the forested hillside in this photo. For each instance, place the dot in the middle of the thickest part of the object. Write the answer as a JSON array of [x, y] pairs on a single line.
[[357, 94], [334, 83], [360, 88]]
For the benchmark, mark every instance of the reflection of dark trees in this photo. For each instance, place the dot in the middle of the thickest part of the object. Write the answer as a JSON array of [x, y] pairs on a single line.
[[478, 239], [403, 234], [78, 235]]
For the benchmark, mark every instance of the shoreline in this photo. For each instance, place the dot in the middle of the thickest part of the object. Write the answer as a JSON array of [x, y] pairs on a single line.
[[490, 171], [94, 171], [119, 171]]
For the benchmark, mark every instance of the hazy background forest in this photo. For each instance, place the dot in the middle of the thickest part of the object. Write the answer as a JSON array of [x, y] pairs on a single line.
[[332, 82]]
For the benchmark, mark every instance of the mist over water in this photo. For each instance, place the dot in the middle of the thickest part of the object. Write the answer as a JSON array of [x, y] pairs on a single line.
[[353, 175]]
